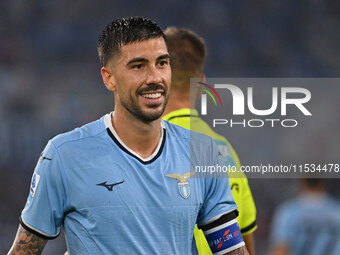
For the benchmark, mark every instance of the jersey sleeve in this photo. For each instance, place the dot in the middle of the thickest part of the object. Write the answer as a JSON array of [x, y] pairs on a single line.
[[44, 209], [218, 198]]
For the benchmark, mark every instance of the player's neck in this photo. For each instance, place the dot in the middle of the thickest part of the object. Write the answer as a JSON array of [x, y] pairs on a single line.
[[140, 137], [177, 100]]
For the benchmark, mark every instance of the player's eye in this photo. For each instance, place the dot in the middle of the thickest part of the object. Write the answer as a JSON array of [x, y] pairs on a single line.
[[139, 66], [163, 62]]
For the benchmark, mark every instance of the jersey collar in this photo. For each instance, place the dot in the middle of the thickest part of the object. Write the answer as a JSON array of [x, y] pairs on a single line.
[[113, 134]]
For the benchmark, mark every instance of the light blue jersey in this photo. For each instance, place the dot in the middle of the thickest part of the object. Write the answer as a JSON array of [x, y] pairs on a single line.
[[309, 225], [111, 201]]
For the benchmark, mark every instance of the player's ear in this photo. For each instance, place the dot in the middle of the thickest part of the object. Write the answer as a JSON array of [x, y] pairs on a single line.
[[108, 78], [202, 79]]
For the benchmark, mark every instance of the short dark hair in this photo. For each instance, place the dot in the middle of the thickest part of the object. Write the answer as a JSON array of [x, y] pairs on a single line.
[[124, 31], [187, 52]]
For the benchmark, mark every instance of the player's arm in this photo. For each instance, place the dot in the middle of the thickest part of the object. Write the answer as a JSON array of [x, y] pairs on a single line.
[[217, 216], [43, 214], [239, 251], [26, 242], [224, 236], [249, 241]]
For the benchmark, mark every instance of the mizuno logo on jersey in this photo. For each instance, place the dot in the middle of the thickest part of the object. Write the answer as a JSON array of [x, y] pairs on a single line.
[[43, 157], [109, 186], [183, 185]]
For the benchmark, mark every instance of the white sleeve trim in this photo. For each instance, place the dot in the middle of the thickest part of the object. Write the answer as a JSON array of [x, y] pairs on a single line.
[[37, 230], [220, 227]]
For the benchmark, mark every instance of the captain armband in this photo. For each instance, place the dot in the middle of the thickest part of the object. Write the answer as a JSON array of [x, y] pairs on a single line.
[[223, 234]]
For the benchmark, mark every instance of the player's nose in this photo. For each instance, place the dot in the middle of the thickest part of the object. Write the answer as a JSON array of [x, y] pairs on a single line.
[[153, 76]]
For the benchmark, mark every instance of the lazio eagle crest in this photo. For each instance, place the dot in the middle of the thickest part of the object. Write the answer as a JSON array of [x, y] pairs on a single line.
[[183, 185]]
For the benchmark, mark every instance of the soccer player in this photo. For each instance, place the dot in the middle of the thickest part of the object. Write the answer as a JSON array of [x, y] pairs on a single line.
[[122, 184], [188, 52], [308, 224]]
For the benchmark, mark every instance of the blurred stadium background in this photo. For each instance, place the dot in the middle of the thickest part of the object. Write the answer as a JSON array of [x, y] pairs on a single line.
[[50, 80]]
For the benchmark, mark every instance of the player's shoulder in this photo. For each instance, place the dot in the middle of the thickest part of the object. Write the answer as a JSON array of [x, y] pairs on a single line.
[[86, 131], [177, 132]]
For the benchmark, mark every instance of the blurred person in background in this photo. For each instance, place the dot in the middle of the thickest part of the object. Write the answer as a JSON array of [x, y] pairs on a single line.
[[188, 52], [308, 224]]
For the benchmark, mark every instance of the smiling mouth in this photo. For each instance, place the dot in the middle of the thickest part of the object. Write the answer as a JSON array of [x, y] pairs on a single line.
[[152, 95]]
